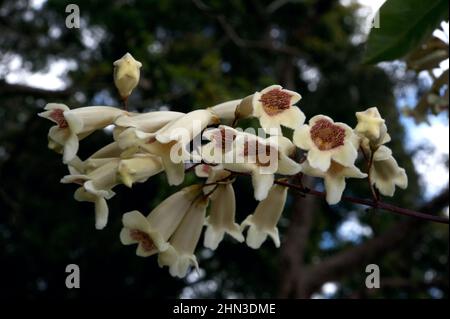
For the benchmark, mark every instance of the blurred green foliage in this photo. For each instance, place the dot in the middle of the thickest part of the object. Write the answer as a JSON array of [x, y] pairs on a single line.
[[405, 25]]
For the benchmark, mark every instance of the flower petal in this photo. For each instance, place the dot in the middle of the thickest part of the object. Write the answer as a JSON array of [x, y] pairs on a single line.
[[291, 117], [70, 148], [270, 125], [262, 184], [334, 188], [125, 237], [301, 137], [346, 155], [101, 213], [226, 110], [319, 159]]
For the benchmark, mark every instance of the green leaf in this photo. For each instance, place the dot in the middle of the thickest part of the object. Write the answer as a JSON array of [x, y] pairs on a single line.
[[403, 25]]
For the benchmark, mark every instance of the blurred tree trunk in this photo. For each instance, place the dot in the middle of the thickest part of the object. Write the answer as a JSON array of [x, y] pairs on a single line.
[[293, 267], [298, 280]]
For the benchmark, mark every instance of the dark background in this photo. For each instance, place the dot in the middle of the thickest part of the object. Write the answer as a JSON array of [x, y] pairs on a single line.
[[196, 54]]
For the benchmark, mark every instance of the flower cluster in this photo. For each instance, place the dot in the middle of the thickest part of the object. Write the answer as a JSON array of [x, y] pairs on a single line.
[[146, 144]]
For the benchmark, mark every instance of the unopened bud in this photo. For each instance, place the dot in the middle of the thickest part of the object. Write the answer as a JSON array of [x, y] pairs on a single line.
[[126, 75]]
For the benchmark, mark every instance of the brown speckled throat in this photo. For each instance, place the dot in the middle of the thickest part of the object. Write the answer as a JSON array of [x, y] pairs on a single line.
[[326, 135], [143, 238], [262, 154], [58, 116], [275, 101]]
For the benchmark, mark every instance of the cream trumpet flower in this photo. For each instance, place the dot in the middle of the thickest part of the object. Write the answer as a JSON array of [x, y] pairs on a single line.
[[147, 122], [326, 140], [180, 255], [385, 173], [286, 150], [171, 141], [185, 128], [221, 217], [263, 222], [372, 127], [97, 188], [139, 168], [261, 158], [226, 110], [126, 75], [73, 125], [101, 207], [151, 233], [99, 158], [334, 178], [274, 106], [221, 142], [172, 154]]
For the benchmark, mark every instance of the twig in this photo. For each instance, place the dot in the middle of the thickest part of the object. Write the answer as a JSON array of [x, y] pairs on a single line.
[[371, 203], [375, 196], [238, 40]]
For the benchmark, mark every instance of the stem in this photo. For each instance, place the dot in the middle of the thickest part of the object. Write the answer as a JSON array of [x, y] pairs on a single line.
[[362, 201], [125, 103], [369, 161], [234, 121], [371, 203], [211, 191]]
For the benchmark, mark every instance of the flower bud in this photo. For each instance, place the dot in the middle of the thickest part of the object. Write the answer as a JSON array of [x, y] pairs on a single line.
[[126, 75]]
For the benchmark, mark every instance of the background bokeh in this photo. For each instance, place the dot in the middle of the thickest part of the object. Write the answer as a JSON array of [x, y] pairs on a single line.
[[196, 54]]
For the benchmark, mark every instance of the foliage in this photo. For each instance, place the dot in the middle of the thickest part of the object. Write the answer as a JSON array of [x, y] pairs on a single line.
[[404, 24]]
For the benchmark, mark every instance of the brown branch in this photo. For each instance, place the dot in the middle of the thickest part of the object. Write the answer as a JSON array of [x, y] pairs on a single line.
[[372, 203], [238, 40], [363, 201], [369, 160]]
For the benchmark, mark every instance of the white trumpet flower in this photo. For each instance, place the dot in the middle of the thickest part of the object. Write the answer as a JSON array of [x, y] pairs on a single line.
[[101, 207], [385, 173], [221, 217], [326, 140], [139, 168], [263, 222], [226, 110], [262, 158], [73, 125], [97, 188], [286, 150], [102, 156], [172, 154], [221, 139], [147, 122], [126, 75], [274, 106], [180, 255], [334, 178], [169, 142], [184, 129], [152, 233]]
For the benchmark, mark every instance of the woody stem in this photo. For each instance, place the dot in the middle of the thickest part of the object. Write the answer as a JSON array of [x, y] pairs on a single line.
[[370, 203], [369, 161]]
